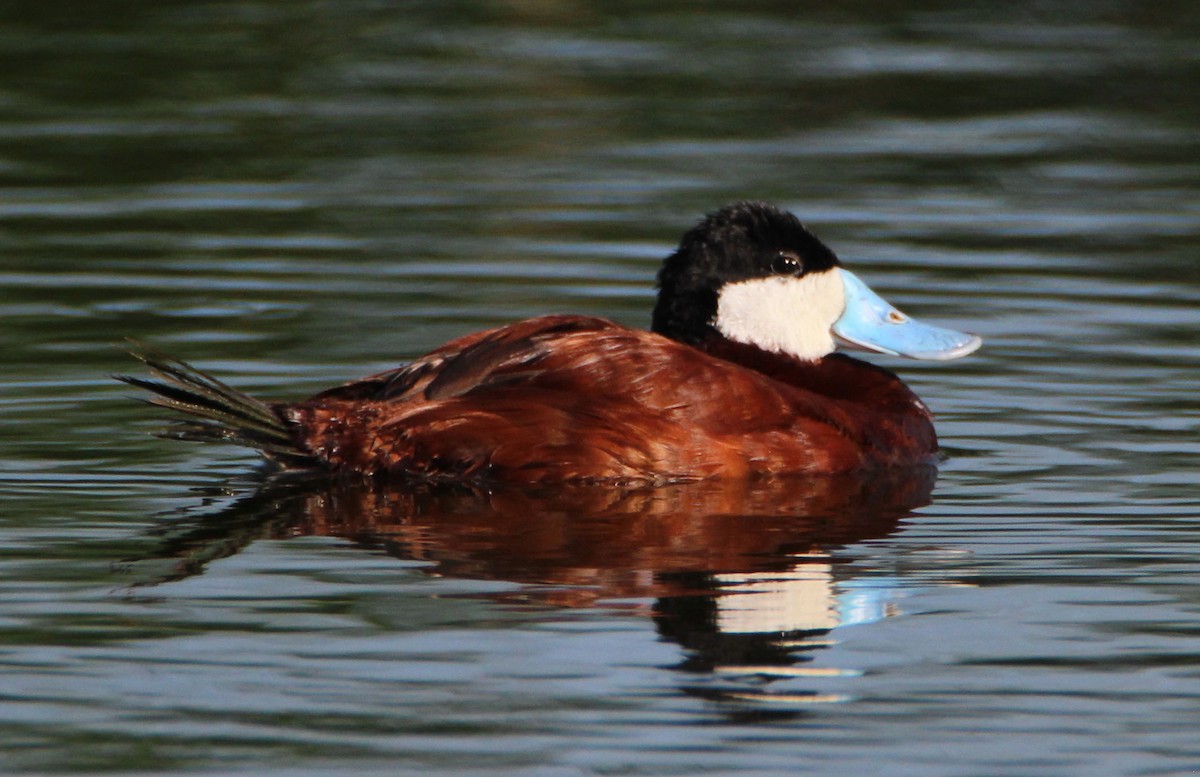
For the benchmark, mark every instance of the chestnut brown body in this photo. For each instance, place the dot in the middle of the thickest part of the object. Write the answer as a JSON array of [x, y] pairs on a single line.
[[577, 399]]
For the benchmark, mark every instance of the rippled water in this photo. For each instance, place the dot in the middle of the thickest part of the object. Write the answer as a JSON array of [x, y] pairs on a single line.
[[294, 194]]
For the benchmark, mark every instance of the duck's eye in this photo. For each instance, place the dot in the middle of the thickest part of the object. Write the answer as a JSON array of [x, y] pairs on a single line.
[[786, 264]]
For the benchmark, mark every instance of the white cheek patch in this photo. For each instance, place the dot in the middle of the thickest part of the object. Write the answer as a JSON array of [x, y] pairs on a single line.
[[783, 314]]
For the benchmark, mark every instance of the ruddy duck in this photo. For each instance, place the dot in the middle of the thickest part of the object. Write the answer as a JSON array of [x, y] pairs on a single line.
[[737, 378]]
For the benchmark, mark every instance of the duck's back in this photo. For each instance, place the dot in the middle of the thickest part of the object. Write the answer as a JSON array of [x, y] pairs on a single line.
[[570, 398]]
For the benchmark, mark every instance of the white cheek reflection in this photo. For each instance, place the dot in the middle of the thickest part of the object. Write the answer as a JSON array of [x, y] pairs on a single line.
[[772, 628], [805, 598]]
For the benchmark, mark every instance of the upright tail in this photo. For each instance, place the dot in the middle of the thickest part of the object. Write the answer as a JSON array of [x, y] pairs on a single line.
[[213, 411]]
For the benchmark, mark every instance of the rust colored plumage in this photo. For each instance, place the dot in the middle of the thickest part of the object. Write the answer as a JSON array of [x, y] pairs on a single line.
[[568, 398]]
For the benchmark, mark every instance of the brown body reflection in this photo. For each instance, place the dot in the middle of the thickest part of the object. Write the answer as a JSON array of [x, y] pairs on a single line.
[[739, 571], [613, 542]]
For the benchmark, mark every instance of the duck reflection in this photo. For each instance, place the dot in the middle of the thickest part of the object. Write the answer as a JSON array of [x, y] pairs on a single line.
[[744, 576]]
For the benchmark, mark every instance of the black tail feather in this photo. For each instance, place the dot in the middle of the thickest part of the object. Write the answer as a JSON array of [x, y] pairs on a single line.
[[214, 411]]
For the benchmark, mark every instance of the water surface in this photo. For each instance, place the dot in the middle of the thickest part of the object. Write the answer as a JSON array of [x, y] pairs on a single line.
[[295, 194]]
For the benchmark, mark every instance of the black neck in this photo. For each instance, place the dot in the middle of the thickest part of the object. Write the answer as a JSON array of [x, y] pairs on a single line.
[[685, 316]]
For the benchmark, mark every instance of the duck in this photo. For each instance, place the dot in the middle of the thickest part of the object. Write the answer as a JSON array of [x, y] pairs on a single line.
[[742, 374]]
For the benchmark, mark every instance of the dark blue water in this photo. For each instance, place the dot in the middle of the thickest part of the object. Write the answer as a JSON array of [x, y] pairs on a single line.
[[295, 194]]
